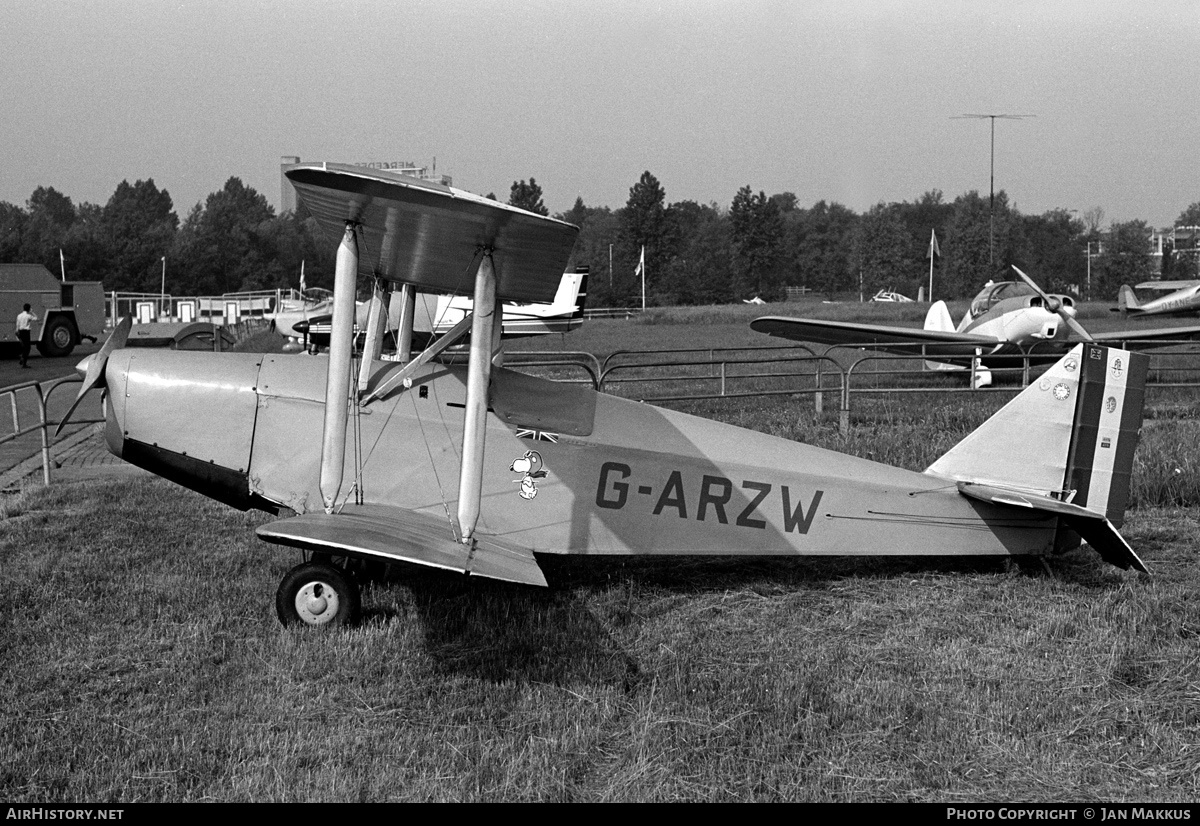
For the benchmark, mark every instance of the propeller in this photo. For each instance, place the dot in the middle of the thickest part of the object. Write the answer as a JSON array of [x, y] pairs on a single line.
[[93, 366], [1055, 306]]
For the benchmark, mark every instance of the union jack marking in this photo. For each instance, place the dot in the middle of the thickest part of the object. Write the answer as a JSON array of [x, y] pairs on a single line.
[[537, 435]]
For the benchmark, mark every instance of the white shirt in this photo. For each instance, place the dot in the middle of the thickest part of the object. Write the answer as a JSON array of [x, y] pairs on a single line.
[[25, 320]]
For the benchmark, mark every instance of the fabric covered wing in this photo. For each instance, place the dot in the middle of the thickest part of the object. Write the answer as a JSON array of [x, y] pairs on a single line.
[[432, 235], [383, 532], [903, 340]]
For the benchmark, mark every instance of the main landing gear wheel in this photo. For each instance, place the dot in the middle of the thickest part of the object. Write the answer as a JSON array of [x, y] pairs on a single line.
[[319, 595]]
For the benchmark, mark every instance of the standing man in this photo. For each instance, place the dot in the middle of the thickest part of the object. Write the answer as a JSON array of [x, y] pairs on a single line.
[[25, 320]]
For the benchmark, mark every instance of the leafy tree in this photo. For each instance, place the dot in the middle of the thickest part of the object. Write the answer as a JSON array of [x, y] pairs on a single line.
[[756, 231], [1190, 217], [12, 228], [598, 231], [1051, 251], [965, 248], [227, 243], [527, 196], [137, 227], [643, 226], [1125, 259], [820, 241], [883, 251], [697, 270], [51, 215]]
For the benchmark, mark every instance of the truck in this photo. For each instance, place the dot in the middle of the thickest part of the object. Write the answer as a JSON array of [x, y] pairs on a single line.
[[68, 311]]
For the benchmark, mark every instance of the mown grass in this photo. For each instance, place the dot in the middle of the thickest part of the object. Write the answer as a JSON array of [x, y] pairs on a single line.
[[142, 662], [141, 659]]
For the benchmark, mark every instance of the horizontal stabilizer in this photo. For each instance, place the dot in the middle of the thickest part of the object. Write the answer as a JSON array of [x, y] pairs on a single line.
[[382, 532], [1094, 527]]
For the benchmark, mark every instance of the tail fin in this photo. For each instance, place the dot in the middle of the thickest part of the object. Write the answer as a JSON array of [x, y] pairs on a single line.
[[1070, 435], [1064, 446], [1127, 299], [938, 319], [581, 292]]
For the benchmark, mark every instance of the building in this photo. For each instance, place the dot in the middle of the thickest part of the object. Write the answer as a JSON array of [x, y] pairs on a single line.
[[287, 193]]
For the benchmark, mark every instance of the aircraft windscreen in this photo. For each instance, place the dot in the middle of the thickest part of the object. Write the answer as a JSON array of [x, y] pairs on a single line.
[[993, 293]]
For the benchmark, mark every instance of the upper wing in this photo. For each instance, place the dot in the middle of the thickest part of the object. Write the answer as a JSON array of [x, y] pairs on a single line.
[[432, 235], [904, 340]]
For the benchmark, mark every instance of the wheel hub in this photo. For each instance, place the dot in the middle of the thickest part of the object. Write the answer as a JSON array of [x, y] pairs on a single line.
[[316, 603]]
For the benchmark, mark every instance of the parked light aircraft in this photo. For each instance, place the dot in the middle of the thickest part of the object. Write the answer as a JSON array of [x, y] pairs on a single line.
[[481, 469], [1183, 301], [434, 315], [1005, 320]]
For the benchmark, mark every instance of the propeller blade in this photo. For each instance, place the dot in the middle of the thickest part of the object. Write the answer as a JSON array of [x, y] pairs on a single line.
[[1077, 327], [1052, 304], [93, 367], [1056, 306]]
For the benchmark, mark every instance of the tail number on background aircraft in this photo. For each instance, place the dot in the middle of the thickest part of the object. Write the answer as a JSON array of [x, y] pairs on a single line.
[[708, 502]]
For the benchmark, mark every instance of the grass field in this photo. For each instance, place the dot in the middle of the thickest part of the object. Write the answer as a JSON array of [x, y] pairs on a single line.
[[141, 659]]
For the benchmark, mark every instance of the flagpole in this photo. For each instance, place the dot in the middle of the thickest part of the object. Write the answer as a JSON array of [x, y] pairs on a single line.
[[931, 236], [934, 252], [642, 267]]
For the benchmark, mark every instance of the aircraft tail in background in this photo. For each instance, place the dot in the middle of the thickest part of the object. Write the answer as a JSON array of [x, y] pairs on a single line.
[[938, 320], [1064, 446], [1127, 300]]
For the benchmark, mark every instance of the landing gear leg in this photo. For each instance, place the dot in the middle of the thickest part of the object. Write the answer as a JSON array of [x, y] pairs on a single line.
[[317, 594]]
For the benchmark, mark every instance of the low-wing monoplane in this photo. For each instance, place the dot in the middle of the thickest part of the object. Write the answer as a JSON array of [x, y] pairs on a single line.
[[435, 315], [1183, 301], [479, 469], [1006, 320]]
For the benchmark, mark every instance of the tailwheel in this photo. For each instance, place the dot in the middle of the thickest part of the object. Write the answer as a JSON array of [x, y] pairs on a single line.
[[317, 594]]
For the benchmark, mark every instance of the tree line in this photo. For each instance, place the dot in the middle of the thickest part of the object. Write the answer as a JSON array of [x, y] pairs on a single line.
[[694, 253]]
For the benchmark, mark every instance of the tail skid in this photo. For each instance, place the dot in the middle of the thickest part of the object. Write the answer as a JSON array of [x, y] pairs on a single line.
[[1063, 446]]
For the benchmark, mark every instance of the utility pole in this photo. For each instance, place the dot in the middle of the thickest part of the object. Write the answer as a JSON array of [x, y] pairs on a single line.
[[992, 185]]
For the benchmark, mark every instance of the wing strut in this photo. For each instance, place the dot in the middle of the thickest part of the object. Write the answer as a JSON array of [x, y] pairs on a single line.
[[407, 296], [479, 372], [376, 321], [337, 385]]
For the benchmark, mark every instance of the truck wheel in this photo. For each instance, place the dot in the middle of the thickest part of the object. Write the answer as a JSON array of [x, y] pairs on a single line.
[[58, 339]]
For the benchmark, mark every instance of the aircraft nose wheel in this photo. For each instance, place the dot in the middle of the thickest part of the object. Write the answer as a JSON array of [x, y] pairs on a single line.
[[317, 594]]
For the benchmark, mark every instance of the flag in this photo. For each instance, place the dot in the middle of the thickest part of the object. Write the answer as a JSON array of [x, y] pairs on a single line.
[[62, 264], [303, 288], [934, 252], [641, 267]]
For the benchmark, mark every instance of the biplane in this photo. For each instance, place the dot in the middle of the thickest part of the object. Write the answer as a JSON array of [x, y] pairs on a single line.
[[1006, 321], [479, 469]]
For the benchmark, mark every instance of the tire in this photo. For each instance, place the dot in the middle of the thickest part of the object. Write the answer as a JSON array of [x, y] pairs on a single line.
[[58, 339], [317, 595]]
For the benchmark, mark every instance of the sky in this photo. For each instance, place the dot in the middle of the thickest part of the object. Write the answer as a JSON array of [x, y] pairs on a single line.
[[850, 101]]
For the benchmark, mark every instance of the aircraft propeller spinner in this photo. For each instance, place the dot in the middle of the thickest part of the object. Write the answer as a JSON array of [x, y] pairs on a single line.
[[1055, 305], [92, 367]]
